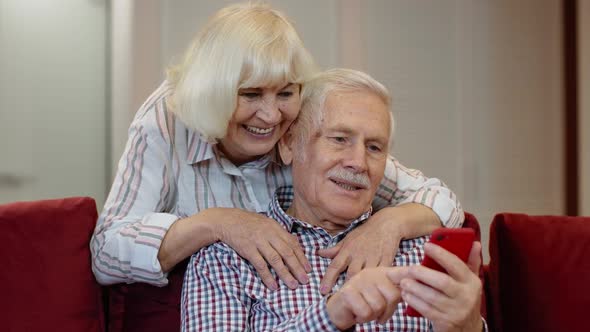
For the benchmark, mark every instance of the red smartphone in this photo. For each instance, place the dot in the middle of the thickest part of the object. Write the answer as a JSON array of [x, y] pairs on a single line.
[[458, 241]]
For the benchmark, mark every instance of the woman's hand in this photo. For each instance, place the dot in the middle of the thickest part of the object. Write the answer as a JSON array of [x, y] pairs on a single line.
[[262, 241], [369, 245]]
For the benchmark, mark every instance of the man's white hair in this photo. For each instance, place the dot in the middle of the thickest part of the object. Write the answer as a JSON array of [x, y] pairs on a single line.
[[316, 91]]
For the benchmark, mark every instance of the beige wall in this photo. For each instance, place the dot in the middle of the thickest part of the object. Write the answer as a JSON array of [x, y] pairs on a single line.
[[52, 99], [478, 96], [477, 85]]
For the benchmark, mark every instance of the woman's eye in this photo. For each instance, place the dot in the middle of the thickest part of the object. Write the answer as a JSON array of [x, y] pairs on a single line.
[[285, 94], [250, 95]]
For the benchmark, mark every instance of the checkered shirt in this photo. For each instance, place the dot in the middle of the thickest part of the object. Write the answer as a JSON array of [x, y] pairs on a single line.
[[223, 292]]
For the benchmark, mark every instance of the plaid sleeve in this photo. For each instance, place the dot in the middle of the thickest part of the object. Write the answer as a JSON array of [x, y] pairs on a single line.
[[404, 185], [213, 298], [313, 318]]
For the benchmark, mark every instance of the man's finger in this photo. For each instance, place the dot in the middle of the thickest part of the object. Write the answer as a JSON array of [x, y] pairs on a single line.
[[388, 312], [375, 299], [474, 260], [432, 296], [420, 305], [392, 295], [397, 273], [454, 266]]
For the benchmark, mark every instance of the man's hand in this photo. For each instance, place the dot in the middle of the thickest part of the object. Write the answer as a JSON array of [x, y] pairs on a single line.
[[451, 302], [262, 241], [372, 294]]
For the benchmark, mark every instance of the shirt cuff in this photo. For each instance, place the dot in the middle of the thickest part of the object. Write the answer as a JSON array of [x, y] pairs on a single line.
[[150, 233], [316, 318]]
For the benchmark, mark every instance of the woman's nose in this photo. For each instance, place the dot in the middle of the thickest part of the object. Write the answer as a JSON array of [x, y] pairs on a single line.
[[269, 111]]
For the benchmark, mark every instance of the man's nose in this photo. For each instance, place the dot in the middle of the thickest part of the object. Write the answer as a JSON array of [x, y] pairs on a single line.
[[269, 111], [356, 158]]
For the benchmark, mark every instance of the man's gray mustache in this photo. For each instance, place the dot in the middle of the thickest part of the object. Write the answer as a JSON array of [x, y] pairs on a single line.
[[357, 179]]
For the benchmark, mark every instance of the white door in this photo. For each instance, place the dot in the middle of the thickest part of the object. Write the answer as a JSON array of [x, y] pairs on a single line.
[[52, 99]]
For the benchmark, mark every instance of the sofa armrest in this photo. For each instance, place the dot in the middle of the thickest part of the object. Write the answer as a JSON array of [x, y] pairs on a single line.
[[46, 280]]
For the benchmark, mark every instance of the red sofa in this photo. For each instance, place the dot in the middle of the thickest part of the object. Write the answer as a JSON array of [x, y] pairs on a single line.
[[538, 278], [47, 283]]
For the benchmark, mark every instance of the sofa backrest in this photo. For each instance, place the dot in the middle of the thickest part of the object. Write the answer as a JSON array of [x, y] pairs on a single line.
[[539, 273], [471, 222], [46, 282]]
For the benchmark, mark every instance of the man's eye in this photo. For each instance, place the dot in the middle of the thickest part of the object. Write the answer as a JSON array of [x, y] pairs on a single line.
[[375, 148], [338, 139]]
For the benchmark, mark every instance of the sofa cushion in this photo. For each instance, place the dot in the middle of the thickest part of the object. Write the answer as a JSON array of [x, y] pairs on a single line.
[[539, 272], [46, 281]]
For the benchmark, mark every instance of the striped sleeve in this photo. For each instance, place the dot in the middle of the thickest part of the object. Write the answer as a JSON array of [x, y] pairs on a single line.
[[131, 227], [404, 185]]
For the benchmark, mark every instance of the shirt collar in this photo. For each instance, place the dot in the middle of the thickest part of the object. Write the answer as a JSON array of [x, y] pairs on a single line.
[[282, 201], [198, 149]]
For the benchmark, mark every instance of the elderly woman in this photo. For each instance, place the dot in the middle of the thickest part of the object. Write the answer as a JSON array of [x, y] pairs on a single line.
[[200, 166]]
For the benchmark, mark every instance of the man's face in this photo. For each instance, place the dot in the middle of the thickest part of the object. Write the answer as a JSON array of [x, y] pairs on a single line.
[[343, 162]]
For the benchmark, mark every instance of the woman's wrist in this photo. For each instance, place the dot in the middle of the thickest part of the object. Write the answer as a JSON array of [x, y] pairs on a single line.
[[409, 220], [187, 236]]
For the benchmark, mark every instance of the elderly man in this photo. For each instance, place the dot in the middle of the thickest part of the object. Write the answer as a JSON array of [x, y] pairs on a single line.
[[338, 148]]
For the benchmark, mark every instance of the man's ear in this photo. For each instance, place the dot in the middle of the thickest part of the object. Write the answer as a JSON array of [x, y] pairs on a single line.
[[285, 148]]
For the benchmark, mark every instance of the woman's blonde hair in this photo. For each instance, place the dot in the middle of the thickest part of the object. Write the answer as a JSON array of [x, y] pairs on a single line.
[[242, 45]]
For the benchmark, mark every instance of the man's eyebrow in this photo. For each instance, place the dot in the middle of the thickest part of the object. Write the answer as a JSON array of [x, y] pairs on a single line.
[[349, 131], [339, 129]]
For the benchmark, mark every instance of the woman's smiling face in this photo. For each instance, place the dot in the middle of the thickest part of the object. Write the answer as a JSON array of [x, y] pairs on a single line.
[[262, 116]]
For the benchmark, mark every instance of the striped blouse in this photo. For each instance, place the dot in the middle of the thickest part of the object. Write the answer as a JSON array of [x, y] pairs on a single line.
[[168, 172]]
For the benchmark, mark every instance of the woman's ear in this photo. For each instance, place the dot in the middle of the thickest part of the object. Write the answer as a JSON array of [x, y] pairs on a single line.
[[285, 148]]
